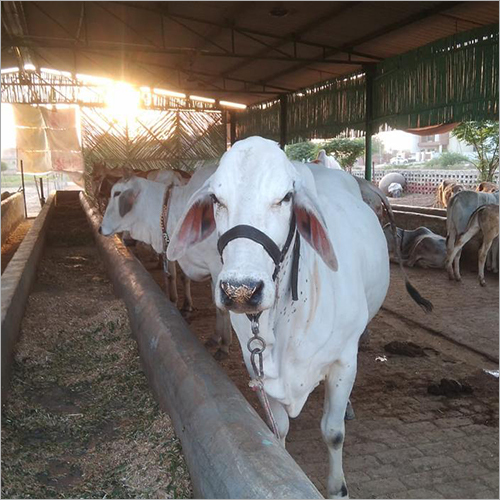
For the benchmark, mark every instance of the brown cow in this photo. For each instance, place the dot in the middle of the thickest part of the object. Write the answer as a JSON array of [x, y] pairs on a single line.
[[445, 191], [487, 187], [484, 219]]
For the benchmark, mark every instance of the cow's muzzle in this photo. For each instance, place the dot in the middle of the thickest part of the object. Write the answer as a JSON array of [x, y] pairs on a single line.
[[243, 297]]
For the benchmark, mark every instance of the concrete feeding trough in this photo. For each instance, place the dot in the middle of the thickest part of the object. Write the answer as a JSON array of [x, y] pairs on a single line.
[[12, 214], [230, 451], [17, 281]]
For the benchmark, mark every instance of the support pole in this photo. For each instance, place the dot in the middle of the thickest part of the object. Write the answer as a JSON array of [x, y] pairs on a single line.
[[42, 196], [368, 122], [232, 127], [283, 121], [24, 190]]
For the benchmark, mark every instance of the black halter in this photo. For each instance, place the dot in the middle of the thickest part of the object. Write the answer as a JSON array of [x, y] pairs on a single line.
[[254, 234]]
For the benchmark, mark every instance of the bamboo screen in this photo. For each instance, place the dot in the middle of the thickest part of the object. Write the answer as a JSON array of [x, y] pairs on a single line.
[[452, 80]]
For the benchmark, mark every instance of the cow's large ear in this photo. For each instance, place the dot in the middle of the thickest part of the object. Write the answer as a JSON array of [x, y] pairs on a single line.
[[196, 224], [126, 201], [312, 227]]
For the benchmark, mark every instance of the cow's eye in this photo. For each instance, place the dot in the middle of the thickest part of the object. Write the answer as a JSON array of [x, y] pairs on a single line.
[[215, 199], [286, 198], [117, 193]]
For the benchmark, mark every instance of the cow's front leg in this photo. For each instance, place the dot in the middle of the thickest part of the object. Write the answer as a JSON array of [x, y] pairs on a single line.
[[339, 382], [170, 278], [224, 332], [187, 306], [215, 339]]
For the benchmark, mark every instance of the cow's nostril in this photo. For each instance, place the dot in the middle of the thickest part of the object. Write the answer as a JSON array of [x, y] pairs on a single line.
[[100, 230], [257, 294], [249, 292]]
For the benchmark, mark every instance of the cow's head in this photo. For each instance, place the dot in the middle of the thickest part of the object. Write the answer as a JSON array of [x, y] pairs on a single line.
[[119, 213], [255, 185]]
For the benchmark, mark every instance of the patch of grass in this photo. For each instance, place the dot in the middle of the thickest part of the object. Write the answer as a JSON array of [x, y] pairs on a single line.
[[80, 398]]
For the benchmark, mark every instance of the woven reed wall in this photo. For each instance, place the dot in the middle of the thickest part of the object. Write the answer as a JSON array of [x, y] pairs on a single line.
[[452, 80], [261, 119]]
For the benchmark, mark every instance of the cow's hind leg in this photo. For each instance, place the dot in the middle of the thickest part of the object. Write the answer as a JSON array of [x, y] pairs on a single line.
[[454, 258], [483, 252], [339, 382]]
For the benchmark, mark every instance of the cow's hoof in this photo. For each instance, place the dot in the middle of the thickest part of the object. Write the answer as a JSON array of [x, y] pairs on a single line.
[[187, 309], [349, 412], [482, 282], [211, 343], [220, 355]]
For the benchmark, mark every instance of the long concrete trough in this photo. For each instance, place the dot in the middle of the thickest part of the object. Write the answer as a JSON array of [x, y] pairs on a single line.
[[17, 281], [12, 214], [229, 450]]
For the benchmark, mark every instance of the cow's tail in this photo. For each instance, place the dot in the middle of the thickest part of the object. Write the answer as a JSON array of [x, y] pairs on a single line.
[[425, 304]]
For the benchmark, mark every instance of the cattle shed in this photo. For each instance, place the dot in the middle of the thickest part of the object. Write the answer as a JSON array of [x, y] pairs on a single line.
[[304, 69], [107, 390]]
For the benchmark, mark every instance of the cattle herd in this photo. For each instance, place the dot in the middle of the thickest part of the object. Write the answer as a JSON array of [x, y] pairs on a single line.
[[298, 249]]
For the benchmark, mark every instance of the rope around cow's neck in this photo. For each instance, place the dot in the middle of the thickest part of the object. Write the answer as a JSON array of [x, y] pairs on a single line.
[[257, 345]]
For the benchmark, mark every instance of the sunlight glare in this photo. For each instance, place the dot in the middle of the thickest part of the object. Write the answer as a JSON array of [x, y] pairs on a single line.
[[122, 101]]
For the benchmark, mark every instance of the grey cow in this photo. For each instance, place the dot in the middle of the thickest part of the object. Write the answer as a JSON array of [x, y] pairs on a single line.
[[419, 247], [458, 213]]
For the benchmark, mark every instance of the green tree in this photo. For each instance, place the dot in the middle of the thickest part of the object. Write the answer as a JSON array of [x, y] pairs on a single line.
[[483, 136], [301, 151], [4, 166], [346, 151], [447, 159]]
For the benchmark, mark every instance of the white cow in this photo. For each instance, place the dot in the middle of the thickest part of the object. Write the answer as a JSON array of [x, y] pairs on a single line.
[[343, 276], [327, 161], [458, 213], [136, 206], [371, 194]]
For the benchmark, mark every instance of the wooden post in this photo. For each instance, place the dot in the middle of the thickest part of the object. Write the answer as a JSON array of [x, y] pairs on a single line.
[[368, 121], [283, 121]]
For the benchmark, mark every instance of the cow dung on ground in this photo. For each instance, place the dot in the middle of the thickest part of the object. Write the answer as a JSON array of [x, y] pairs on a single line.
[[449, 388], [405, 349]]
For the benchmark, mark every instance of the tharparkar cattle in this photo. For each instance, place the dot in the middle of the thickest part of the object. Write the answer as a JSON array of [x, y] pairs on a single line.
[[296, 266], [136, 205]]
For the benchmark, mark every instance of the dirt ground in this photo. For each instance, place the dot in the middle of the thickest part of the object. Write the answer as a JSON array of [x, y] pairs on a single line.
[[80, 420], [415, 200], [404, 441], [12, 243]]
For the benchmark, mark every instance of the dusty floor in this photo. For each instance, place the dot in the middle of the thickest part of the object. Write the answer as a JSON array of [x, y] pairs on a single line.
[[14, 240], [80, 420], [415, 199], [404, 442]]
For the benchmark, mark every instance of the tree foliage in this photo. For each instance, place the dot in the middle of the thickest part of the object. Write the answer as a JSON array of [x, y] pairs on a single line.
[[345, 151], [483, 136], [448, 159], [301, 151], [4, 166]]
